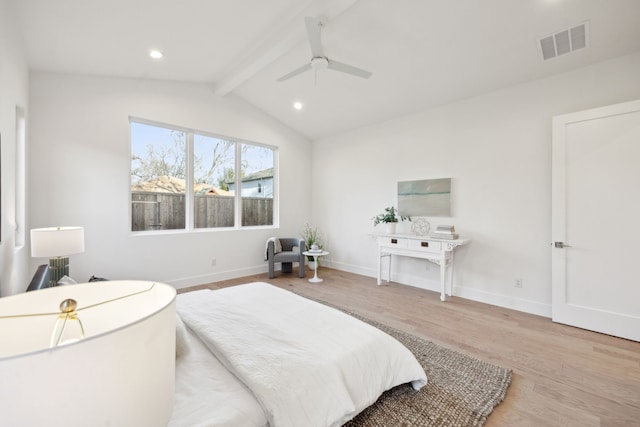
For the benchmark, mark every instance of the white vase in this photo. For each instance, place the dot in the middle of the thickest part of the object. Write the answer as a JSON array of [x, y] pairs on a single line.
[[312, 265], [391, 227]]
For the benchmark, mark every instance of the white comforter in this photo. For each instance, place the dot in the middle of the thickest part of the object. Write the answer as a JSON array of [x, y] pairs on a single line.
[[206, 393], [305, 363]]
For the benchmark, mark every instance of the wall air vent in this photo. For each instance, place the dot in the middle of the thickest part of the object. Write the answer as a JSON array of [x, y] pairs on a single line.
[[564, 42]]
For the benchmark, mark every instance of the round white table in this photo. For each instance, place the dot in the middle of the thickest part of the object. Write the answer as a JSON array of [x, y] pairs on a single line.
[[315, 255]]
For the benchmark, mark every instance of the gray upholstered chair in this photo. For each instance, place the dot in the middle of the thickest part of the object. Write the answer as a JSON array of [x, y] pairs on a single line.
[[40, 280], [287, 256]]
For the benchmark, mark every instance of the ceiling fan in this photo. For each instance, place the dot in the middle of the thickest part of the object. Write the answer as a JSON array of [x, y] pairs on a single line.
[[319, 61]]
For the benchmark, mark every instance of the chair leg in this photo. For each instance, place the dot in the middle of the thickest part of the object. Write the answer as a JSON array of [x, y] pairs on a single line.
[[287, 267], [271, 272], [301, 269]]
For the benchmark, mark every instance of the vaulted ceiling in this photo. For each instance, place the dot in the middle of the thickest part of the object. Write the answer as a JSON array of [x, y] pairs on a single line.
[[422, 53]]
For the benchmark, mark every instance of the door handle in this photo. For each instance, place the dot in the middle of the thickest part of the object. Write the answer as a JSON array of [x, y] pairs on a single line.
[[560, 245]]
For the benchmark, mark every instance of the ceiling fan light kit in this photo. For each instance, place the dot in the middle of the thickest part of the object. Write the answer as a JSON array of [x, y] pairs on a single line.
[[319, 60]]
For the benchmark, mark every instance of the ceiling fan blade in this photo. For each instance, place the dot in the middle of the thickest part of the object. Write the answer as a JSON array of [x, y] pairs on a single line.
[[349, 69], [313, 33], [295, 72]]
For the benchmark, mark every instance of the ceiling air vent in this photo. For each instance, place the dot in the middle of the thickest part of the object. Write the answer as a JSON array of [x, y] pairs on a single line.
[[564, 42]]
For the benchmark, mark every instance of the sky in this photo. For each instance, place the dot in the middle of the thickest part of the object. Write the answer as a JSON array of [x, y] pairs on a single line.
[[142, 135]]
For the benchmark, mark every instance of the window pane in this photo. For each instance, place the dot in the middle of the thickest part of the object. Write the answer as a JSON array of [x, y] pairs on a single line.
[[157, 178], [214, 171], [257, 185]]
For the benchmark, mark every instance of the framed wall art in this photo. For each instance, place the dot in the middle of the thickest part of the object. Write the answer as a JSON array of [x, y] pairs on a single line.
[[426, 197]]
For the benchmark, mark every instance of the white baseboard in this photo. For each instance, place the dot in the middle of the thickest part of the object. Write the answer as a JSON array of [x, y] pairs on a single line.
[[405, 279], [492, 298], [216, 277], [349, 268], [506, 301]]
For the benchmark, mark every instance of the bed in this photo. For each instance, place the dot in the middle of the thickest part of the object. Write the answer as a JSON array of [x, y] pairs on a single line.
[[258, 355]]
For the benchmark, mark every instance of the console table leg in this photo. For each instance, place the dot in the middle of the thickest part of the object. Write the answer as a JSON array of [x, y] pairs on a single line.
[[379, 265], [380, 256], [443, 274], [451, 274]]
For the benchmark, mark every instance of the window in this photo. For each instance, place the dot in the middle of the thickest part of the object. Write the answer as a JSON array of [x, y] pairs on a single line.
[[257, 185], [166, 161], [214, 166], [158, 176], [21, 177]]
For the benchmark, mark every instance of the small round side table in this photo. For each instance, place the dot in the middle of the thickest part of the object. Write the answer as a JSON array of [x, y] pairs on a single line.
[[315, 255]]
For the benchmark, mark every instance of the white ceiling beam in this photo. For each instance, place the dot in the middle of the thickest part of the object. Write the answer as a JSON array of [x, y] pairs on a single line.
[[285, 37]]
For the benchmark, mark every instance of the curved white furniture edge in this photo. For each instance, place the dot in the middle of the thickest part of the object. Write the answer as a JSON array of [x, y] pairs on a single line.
[[121, 374]]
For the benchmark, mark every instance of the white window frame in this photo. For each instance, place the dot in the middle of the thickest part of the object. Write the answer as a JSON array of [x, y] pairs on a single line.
[[189, 178]]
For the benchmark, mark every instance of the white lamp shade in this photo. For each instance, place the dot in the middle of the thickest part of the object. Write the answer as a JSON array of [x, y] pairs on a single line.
[[56, 241], [121, 374]]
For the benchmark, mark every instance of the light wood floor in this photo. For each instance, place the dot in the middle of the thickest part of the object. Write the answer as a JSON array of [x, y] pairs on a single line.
[[562, 376]]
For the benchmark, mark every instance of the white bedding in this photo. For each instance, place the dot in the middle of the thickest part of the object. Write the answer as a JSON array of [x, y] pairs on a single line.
[[304, 363], [206, 393]]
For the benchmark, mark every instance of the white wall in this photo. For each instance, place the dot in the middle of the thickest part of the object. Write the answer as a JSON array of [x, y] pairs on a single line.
[[497, 149], [13, 93], [79, 175]]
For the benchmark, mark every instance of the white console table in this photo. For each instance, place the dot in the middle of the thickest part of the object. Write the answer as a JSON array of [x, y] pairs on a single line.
[[438, 251]]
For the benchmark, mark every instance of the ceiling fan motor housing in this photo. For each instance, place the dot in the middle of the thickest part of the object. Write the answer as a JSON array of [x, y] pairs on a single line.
[[319, 63]]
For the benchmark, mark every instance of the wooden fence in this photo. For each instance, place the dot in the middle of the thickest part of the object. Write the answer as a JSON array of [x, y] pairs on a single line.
[[166, 211]]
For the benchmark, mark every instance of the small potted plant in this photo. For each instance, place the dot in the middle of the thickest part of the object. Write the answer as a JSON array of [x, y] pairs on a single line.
[[390, 218], [311, 236]]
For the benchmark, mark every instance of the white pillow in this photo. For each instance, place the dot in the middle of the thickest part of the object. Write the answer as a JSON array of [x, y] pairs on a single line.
[[66, 280], [277, 247]]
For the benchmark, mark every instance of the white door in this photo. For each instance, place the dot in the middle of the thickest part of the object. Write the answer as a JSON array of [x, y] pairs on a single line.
[[596, 220]]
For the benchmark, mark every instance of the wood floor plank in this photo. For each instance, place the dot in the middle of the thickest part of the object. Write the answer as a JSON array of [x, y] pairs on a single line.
[[563, 376]]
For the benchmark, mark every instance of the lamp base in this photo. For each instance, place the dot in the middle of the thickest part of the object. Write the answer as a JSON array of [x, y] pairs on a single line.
[[58, 267]]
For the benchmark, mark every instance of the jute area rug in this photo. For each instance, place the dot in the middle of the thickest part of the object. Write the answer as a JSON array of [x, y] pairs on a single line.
[[461, 390]]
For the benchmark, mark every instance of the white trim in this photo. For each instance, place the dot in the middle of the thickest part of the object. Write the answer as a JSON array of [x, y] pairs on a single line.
[[215, 277], [513, 303], [20, 192], [190, 134], [563, 311], [189, 196]]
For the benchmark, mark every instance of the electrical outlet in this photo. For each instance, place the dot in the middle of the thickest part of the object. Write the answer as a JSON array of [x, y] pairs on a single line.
[[213, 262], [518, 283]]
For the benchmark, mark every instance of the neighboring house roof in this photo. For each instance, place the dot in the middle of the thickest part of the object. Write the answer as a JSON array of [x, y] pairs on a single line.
[[171, 184], [263, 174], [215, 191]]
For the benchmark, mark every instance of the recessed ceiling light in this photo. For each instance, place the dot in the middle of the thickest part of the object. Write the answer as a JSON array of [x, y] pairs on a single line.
[[298, 105], [156, 54]]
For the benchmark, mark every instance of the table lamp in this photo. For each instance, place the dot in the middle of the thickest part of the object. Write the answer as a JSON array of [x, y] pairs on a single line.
[[121, 373], [57, 243]]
